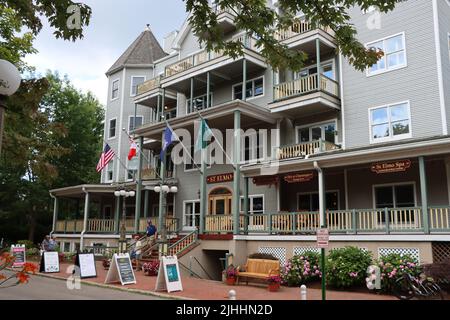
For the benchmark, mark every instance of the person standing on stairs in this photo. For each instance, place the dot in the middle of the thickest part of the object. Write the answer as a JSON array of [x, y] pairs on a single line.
[[151, 231], [138, 251]]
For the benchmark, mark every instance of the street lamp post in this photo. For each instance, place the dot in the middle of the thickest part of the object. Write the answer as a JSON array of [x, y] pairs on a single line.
[[9, 83], [165, 189], [122, 239]]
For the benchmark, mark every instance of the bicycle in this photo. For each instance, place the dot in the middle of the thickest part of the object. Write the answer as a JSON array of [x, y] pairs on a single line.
[[407, 287]]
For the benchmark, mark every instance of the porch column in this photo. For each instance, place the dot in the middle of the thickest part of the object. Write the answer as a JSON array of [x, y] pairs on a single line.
[[85, 222], [208, 89], [447, 169], [423, 194], [203, 197], [137, 211], [246, 200], [244, 80], [163, 102], [117, 216], [157, 108], [162, 174], [55, 212], [237, 170], [146, 193], [318, 63], [192, 95], [323, 221]]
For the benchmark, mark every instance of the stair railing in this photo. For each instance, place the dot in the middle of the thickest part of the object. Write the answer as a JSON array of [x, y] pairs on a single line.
[[183, 243]]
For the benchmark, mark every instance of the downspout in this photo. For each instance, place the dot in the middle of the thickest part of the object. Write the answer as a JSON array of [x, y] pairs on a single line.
[[54, 215], [86, 203]]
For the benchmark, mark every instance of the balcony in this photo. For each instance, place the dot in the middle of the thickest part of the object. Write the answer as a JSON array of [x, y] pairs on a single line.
[[225, 18], [377, 221], [303, 32], [305, 149], [149, 85]]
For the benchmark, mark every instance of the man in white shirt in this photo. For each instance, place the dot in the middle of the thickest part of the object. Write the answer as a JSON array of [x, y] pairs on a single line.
[[138, 251]]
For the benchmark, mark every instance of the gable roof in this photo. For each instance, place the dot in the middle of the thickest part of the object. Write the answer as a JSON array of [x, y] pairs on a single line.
[[143, 51]]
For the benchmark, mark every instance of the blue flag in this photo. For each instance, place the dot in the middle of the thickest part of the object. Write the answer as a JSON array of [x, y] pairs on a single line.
[[169, 138]]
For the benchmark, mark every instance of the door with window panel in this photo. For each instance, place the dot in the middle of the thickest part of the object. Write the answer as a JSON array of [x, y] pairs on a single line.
[[192, 214], [399, 200], [256, 219]]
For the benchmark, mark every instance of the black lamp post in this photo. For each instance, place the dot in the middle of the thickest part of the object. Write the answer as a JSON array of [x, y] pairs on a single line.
[[122, 239]]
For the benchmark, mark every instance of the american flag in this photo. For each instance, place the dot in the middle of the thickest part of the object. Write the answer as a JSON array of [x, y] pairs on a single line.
[[106, 157]]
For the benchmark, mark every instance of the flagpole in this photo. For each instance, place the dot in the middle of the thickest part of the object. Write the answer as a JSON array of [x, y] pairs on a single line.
[[216, 140], [184, 147], [142, 153], [118, 158]]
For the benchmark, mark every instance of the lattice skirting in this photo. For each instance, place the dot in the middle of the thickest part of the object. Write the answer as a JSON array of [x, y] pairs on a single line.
[[441, 251], [414, 252], [301, 250], [277, 252]]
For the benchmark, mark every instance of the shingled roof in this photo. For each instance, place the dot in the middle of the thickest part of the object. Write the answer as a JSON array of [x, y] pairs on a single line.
[[143, 51]]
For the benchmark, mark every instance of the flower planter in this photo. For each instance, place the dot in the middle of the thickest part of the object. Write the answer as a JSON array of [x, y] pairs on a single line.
[[150, 273], [231, 281], [273, 287]]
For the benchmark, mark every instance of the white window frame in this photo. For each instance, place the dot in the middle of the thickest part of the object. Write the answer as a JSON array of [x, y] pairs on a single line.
[[386, 69], [391, 136], [322, 65], [131, 84], [253, 86], [109, 129], [315, 192], [392, 185], [107, 171], [250, 208], [316, 124], [184, 214], [112, 89], [132, 116]]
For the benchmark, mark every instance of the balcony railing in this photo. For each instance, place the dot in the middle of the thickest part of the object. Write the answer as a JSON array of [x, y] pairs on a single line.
[[397, 220], [305, 85], [305, 149], [149, 85], [299, 27]]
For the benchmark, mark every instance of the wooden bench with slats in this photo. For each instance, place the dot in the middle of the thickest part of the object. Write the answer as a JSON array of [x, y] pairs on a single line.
[[258, 269]]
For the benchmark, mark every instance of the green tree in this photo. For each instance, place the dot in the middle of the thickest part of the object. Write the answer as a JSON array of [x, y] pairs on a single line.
[[263, 23]]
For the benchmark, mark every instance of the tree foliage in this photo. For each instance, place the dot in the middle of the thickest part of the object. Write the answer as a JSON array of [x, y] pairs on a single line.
[[263, 22]]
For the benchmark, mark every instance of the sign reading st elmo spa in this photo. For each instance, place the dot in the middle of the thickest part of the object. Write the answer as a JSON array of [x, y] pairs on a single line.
[[298, 177], [220, 178], [391, 166]]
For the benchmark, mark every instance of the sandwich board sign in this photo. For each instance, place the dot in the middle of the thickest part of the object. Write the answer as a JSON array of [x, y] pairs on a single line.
[[169, 275], [86, 263], [49, 262], [121, 270], [18, 252]]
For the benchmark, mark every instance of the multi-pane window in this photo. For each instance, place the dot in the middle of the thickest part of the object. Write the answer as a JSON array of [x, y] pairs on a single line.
[[135, 82], [110, 171], [192, 213], [254, 88], [390, 122], [394, 54], [326, 132], [255, 204], [133, 165], [115, 90], [112, 128], [309, 202], [395, 196], [135, 122]]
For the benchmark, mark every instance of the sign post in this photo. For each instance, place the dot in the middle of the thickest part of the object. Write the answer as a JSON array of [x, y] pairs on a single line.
[[18, 252], [323, 237]]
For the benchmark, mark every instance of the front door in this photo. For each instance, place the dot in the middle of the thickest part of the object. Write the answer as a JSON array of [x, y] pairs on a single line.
[[220, 205]]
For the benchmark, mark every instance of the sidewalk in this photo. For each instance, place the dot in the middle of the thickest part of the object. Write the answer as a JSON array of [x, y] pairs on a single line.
[[194, 288]]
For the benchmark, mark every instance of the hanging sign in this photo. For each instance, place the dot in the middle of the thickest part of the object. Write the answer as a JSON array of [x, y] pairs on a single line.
[[323, 237], [391, 166], [18, 252], [169, 275], [121, 270], [220, 178], [49, 262], [265, 180], [86, 263], [298, 177]]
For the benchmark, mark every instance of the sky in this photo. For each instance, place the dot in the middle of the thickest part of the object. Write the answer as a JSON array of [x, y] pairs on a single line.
[[114, 25]]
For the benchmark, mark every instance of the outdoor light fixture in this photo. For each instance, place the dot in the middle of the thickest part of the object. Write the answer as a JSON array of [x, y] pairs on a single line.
[[165, 189], [122, 239], [9, 83]]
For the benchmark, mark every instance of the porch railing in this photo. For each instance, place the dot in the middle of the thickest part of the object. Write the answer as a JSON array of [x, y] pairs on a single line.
[[387, 220], [171, 224], [149, 85], [101, 225], [305, 149], [69, 226], [305, 85], [297, 28]]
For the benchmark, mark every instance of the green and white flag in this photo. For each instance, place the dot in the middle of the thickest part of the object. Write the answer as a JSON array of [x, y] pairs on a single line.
[[204, 134]]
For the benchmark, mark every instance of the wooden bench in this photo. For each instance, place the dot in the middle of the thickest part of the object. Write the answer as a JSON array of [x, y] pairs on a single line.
[[258, 269]]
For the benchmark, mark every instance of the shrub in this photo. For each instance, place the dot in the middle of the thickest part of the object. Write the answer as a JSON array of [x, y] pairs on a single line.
[[28, 244], [347, 267], [301, 269], [32, 252], [393, 266], [264, 256]]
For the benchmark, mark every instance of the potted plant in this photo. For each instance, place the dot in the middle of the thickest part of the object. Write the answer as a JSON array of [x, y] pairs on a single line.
[[274, 283], [151, 268], [230, 274]]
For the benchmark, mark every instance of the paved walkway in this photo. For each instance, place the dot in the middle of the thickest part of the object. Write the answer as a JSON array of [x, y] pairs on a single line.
[[214, 290]]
